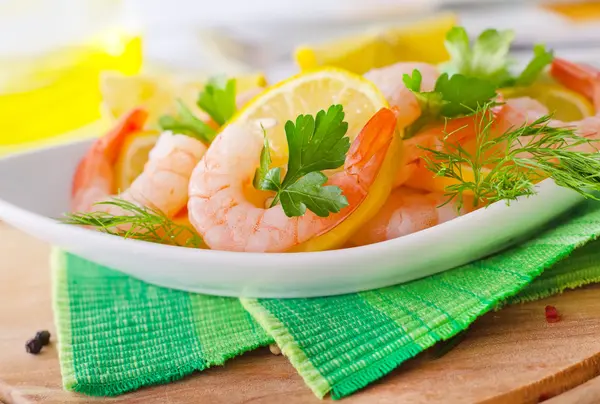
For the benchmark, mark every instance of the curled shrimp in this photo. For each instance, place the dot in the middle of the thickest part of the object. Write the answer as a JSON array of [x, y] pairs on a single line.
[[578, 77], [388, 80], [163, 183], [226, 212], [408, 211], [586, 81]]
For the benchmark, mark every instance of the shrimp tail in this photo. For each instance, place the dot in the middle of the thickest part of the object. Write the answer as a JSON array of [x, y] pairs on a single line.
[[370, 147], [578, 77], [96, 167]]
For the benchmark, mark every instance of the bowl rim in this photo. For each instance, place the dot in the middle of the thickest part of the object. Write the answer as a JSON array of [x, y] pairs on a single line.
[[15, 212]]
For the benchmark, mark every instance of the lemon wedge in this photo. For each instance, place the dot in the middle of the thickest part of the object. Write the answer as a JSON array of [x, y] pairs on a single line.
[[422, 41], [566, 105], [132, 158], [308, 93], [157, 92]]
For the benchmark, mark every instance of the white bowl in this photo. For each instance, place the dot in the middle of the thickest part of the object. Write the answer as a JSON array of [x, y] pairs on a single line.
[[35, 188]]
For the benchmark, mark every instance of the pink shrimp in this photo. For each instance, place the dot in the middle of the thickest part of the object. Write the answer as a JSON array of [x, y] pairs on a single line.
[[389, 81], [163, 183], [228, 217], [578, 77], [586, 81], [407, 211]]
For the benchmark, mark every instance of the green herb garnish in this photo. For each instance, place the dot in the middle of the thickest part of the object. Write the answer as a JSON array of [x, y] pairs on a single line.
[[452, 97], [314, 145], [187, 124], [517, 160], [142, 223], [217, 99], [265, 162], [489, 59]]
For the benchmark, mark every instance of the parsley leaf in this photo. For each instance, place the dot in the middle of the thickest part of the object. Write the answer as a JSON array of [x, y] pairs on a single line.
[[461, 95], [265, 162], [413, 83], [218, 99], [489, 59], [309, 192], [271, 181], [454, 96], [541, 58], [314, 144], [187, 124]]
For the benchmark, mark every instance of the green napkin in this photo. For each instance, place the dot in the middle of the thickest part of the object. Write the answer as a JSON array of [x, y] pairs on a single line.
[[117, 334]]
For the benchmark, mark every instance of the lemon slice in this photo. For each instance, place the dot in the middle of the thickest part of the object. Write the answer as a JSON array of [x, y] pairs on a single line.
[[132, 158], [566, 105], [157, 92], [422, 41], [308, 93]]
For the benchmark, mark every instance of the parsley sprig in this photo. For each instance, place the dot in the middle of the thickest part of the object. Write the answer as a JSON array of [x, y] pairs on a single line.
[[217, 99], [508, 166], [472, 76], [141, 223], [186, 123], [488, 58], [451, 97], [315, 144]]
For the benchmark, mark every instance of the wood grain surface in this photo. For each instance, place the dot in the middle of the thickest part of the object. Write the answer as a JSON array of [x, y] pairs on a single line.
[[510, 356]]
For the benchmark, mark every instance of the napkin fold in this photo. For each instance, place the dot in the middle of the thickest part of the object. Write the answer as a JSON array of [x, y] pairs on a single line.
[[117, 333]]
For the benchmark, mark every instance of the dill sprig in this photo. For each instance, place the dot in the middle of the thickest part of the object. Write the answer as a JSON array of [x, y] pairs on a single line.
[[508, 166], [137, 222]]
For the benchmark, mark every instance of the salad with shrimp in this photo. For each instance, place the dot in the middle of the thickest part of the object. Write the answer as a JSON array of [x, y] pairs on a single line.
[[329, 159]]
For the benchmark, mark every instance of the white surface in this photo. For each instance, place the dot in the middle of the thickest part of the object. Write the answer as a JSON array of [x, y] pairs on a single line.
[[35, 187]]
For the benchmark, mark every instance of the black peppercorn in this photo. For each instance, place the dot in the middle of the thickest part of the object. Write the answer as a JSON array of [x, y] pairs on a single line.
[[33, 346], [43, 336]]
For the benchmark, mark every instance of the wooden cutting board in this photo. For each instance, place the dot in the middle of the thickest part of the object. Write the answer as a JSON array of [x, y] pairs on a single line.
[[510, 356]]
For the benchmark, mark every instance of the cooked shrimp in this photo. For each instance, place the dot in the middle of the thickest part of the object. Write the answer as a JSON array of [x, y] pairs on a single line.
[[225, 214], [407, 211], [454, 130], [578, 77], [513, 113], [586, 81], [163, 183], [389, 81]]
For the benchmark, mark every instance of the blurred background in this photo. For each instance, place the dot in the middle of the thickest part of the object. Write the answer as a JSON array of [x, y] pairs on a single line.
[[53, 52]]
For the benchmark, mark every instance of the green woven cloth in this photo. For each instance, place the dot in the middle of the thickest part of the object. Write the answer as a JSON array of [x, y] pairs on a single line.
[[117, 334]]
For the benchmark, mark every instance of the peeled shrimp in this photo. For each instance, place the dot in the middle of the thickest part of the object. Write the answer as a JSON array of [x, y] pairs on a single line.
[[163, 183], [388, 80], [578, 77], [586, 81], [229, 215], [407, 211]]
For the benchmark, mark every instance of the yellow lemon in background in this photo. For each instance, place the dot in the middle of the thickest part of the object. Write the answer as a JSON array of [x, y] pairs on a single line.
[[58, 92], [422, 41], [157, 92]]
